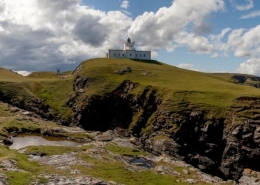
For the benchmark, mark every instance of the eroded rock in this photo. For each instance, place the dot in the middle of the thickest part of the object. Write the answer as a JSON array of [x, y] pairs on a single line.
[[3, 180], [64, 180], [10, 165], [61, 161], [106, 136]]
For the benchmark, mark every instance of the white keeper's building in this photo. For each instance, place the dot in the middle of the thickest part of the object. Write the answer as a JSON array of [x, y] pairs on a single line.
[[129, 52]]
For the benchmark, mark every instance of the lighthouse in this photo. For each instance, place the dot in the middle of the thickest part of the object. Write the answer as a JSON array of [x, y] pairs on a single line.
[[129, 45], [129, 51]]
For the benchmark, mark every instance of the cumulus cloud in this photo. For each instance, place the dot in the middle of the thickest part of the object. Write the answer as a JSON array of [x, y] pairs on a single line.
[[202, 28], [251, 66], [39, 35], [24, 73], [247, 5], [125, 4], [181, 24], [187, 66], [251, 15], [185, 24], [245, 42], [222, 49]]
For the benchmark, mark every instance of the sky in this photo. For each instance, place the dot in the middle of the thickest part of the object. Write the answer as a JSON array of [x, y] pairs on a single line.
[[202, 35]]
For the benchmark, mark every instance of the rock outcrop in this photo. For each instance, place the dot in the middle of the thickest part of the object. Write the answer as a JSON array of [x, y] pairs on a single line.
[[115, 109], [218, 146], [31, 104]]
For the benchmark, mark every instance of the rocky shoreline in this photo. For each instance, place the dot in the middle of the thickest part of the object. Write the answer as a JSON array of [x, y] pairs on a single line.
[[161, 151], [66, 160]]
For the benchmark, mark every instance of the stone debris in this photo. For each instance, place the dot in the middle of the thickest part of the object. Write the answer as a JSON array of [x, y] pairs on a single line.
[[245, 180], [156, 159], [95, 153], [250, 177], [62, 162], [3, 180], [64, 180], [106, 136], [72, 129], [177, 162], [210, 179], [10, 165], [190, 181], [203, 177], [166, 170], [144, 72], [14, 109], [123, 71], [123, 142]]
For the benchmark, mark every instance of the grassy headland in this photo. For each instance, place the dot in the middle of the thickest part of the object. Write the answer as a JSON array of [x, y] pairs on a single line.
[[177, 89], [173, 85]]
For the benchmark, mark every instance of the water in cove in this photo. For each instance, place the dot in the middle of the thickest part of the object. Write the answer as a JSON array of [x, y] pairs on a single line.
[[23, 141]]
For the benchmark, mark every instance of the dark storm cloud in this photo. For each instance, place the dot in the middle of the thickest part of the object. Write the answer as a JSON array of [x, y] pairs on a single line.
[[90, 31], [40, 35], [24, 47]]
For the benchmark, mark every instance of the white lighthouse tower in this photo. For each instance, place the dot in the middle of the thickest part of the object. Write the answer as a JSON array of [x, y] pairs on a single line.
[[129, 45], [129, 52]]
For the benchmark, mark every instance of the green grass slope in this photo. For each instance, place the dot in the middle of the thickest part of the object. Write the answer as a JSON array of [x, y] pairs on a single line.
[[173, 85], [52, 89], [10, 76], [48, 75]]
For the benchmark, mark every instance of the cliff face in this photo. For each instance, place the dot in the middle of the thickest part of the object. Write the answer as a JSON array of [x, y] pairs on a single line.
[[218, 146], [118, 108], [31, 103]]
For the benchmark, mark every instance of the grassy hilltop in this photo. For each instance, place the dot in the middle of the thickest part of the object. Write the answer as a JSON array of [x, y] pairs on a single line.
[[173, 85], [171, 82]]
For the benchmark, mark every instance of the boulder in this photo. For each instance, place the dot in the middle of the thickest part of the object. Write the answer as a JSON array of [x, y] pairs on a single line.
[[106, 136], [47, 132], [8, 141]]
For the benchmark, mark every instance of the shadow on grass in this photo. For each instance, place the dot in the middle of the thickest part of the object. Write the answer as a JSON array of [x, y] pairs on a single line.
[[148, 61]]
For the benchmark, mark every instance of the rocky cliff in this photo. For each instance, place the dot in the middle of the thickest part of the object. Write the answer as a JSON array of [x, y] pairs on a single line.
[[202, 119], [221, 146]]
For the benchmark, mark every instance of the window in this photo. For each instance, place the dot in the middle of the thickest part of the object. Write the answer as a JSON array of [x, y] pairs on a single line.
[[130, 54], [123, 55], [144, 55], [140, 55], [114, 54]]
